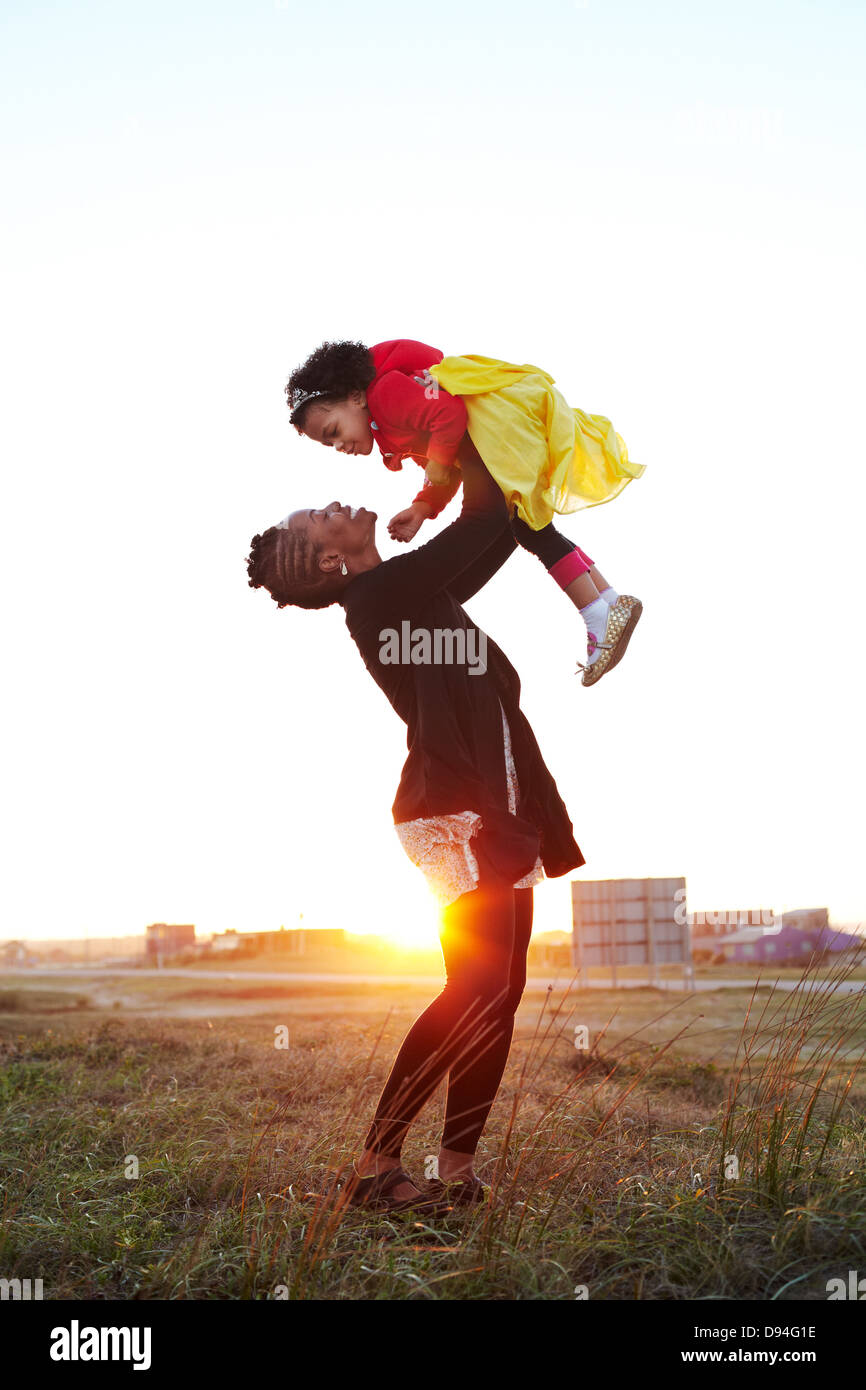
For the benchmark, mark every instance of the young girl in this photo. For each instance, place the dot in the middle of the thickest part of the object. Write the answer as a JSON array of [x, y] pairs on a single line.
[[545, 456]]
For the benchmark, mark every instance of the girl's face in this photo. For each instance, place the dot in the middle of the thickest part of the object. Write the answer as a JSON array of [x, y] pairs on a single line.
[[341, 425]]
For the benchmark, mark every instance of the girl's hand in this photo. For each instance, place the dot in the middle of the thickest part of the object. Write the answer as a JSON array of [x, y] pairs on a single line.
[[438, 474], [405, 525]]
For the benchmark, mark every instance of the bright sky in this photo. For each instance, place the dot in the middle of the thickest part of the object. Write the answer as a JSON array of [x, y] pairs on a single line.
[[662, 205]]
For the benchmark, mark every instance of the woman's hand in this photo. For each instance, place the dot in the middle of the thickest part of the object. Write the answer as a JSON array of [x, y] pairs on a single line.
[[405, 525]]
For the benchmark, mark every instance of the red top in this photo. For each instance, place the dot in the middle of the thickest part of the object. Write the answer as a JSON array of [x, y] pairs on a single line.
[[412, 416]]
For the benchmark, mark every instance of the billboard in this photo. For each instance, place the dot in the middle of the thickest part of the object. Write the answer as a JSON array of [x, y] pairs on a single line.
[[630, 922]]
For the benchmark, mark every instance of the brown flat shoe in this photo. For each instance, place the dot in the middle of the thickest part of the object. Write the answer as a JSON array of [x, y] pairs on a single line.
[[460, 1192], [372, 1194]]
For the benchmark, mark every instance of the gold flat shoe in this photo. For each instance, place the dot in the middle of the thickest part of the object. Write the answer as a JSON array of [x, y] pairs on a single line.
[[621, 622], [635, 608]]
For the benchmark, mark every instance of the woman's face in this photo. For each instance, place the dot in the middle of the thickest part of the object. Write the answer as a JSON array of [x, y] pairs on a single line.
[[341, 425], [334, 531]]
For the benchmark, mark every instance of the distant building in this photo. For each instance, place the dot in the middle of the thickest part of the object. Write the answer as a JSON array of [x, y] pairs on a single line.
[[16, 953], [225, 941], [301, 941], [550, 949], [762, 935], [297, 941], [808, 918], [165, 939], [804, 932], [709, 929]]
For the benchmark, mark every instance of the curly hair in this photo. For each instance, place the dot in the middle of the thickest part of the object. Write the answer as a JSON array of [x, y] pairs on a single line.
[[269, 566], [337, 369]]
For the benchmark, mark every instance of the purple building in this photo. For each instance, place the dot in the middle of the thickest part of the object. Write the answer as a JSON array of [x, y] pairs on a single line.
[[803, 933]]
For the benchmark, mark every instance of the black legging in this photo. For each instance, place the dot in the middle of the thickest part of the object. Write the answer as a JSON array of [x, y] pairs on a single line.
[[548, 544], [467, 1030]]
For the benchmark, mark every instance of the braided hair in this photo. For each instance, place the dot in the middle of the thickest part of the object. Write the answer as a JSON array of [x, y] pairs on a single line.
[[269, 566], [337, 369]]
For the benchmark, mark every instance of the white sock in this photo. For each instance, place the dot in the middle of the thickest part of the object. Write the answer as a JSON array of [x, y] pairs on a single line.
[[609, 595], [595, 617]]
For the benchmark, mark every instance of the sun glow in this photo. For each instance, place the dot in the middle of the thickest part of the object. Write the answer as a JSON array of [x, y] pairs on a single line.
[[409, 920]]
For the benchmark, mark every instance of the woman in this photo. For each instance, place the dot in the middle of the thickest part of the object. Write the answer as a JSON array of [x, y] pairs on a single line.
[[476, 807]]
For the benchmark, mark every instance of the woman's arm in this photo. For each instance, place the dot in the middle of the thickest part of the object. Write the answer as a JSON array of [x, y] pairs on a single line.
[[476, 575], [462, 546]]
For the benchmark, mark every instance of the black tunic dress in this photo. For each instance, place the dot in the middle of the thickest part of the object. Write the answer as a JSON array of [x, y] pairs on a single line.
[[456, 758]]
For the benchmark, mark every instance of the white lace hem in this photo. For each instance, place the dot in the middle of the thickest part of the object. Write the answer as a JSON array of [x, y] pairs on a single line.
[[440, 845]]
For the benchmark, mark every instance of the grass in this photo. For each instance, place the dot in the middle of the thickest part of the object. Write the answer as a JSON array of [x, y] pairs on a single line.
[[709, 1146]]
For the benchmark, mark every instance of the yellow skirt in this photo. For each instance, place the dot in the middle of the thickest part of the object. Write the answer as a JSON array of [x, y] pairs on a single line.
[[545, 455]]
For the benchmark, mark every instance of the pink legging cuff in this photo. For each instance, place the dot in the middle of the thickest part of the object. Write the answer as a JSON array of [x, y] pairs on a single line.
[[575, 563]]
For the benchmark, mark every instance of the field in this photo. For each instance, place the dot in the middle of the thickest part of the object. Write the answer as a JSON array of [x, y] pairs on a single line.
[[157, 1143]]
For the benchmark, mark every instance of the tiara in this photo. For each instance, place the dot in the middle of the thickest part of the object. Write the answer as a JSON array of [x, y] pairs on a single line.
[[308, 396]]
